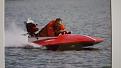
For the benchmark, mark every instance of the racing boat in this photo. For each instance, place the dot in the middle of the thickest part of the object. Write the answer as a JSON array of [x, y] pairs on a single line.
[[64, 40]]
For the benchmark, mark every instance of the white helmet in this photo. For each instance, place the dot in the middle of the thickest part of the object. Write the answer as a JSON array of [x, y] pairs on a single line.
[[29, 20]]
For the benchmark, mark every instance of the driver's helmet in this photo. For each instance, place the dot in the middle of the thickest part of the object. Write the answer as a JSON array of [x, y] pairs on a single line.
[[31, 26]]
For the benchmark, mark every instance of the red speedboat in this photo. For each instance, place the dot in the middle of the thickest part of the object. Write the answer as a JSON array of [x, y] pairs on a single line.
[[66, 40], [60, 40]]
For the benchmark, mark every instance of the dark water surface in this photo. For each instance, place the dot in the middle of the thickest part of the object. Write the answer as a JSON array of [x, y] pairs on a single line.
[[86, 17], [37, 58]]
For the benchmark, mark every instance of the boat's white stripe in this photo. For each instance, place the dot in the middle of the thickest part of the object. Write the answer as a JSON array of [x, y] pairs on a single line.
[[39, 38], [90, 37]]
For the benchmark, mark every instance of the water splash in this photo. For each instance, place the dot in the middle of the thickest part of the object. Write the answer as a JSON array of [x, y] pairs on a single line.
[[14, 37]]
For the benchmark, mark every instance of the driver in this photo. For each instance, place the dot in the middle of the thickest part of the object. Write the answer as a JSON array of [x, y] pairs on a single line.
[[54, 28], [31, 27]]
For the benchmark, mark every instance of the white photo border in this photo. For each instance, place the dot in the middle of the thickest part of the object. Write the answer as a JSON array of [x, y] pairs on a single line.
[[2, 55], [116, 33]]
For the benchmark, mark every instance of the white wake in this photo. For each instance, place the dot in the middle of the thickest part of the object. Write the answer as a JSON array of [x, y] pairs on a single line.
[[14, 37]]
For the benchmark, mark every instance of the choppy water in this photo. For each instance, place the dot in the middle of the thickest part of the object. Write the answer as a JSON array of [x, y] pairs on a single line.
[[86, 17]]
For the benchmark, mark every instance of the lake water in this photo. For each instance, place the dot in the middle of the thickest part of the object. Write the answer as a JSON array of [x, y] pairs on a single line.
[[85, 17]]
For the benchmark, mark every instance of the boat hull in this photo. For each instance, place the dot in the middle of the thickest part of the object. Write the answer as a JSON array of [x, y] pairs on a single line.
[[69, 39]]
